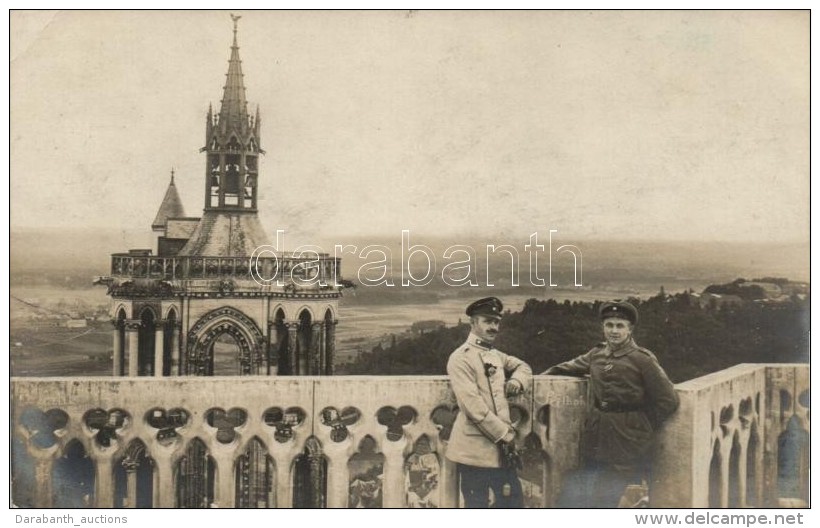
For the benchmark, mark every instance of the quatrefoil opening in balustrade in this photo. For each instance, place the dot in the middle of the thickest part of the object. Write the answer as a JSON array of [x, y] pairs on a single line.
[[518, 415], [226, 422], [804, 398], [785, 405], [283, 422], [543, 417], [745, 413], [444, 416], [395, 420], [339, 421], [43, 427], [167, 422], [105, 424], [726, 415]]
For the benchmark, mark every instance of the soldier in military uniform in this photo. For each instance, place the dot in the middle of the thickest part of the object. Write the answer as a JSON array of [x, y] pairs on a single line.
[[631, 396], [482, 378]]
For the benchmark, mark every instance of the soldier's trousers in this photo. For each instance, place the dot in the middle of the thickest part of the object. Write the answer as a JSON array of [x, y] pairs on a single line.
[[476, 483]]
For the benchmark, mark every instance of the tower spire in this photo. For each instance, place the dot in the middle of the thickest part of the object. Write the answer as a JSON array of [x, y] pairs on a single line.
[[232, 145], [234, 111]]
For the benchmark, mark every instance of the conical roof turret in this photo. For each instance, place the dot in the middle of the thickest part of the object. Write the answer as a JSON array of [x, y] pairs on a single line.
[[171, 206]]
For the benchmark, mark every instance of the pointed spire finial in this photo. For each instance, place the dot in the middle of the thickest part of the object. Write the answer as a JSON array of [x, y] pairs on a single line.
[[172, 175], [235, 19], [233, 112]]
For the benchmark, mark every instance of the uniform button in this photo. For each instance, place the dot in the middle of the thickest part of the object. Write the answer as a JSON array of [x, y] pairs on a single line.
[[604, 405]]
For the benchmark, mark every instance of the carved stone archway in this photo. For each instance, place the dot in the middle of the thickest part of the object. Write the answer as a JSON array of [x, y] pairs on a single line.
[[245, 333]]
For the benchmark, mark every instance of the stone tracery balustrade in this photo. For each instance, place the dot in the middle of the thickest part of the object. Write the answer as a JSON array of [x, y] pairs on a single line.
[[735, 439], [338, 424], [283, 267]]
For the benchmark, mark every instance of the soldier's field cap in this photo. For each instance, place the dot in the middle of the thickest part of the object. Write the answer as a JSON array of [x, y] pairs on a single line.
[[489, 306], [620, 309]]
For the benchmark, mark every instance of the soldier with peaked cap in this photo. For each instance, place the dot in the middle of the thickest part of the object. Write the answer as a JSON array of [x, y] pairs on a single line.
[[631, 397], [482, 379]]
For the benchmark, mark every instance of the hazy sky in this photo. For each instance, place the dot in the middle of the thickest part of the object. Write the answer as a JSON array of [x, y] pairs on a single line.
[[662, 125]]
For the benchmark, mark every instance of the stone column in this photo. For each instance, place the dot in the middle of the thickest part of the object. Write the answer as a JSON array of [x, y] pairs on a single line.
[[322, 350], [724, 474], [183, 335], [132, 327], [104, 485], [242, 174], [45, 485], [118, 329], [131, 483], [159, 347], [284, 480], [273, 348], [176, 362], [449, 484], [223, 173], [164, 492], [315, 349], [225, 488], [393, 492], [330, 349], [338, 475], [293, 328]]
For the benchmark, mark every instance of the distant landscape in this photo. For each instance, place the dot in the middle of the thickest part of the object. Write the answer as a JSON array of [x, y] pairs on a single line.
[[691, 333], [51, 274]]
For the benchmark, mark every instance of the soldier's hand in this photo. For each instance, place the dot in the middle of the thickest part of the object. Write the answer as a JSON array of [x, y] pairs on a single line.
[[510, 457], [513, 387]]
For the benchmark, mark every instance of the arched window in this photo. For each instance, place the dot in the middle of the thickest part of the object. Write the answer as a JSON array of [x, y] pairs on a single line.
[[73, 478]]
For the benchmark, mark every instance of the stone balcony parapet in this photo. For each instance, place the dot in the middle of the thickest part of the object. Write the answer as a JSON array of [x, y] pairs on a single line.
[[131, 274], [724, 446]]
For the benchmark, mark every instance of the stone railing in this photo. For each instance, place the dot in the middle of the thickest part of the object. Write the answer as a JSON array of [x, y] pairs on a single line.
[[346, 421], [286, 268], [739, 439], [380, 441]]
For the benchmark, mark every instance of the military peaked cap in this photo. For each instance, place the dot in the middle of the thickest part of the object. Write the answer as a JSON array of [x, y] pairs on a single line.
[[489, 306], [620, 309]]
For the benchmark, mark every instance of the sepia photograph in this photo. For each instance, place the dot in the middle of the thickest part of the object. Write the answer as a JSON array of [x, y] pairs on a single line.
[[407, 259]]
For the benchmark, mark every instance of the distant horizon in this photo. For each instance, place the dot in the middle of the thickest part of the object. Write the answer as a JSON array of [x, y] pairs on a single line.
[[564, 235], [81, 249]]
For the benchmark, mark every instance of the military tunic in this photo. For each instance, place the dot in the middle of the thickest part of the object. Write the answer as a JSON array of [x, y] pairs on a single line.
[[478, 376], [631, 396]]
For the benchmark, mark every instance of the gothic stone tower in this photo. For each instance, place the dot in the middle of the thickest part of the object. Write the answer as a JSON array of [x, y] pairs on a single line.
[[194, 308]]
